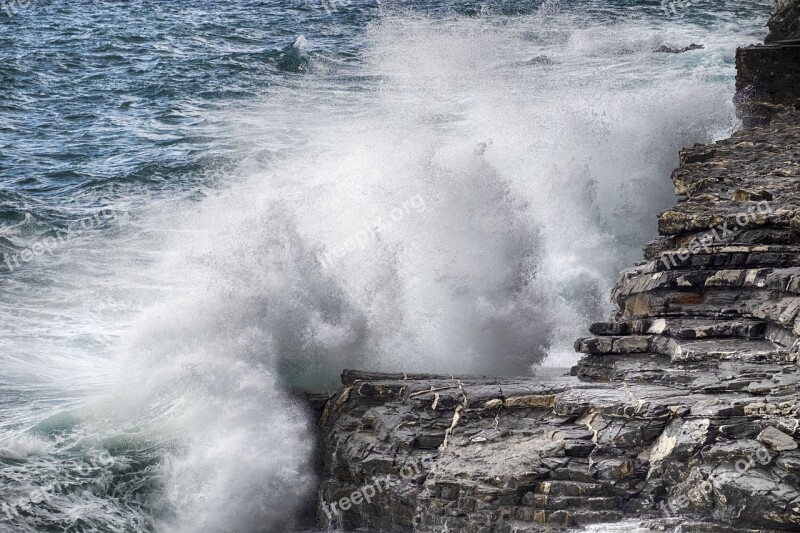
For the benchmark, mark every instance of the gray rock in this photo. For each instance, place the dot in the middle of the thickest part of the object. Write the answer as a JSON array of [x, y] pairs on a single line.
[[671, 50], [767, 83], [785, 21], [777, 440]]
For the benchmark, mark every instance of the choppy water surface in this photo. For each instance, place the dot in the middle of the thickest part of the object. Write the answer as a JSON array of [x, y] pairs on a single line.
[[205, 203]]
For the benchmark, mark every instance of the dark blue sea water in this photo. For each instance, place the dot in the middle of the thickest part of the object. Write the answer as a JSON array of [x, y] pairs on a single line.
[[203, 204]]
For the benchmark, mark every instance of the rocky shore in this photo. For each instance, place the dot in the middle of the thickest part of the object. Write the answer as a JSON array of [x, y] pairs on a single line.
[[683, 412]]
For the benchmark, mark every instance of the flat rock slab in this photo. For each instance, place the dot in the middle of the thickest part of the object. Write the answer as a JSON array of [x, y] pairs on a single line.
[[777, 439], [533, 454]]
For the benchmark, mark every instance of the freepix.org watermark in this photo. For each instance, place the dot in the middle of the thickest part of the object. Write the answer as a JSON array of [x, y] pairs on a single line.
[[51, 244], [377, 486], [672, 8], [703, 490], [11, 7], [362, 238], [43, 495], [716, 235], [332, 6]]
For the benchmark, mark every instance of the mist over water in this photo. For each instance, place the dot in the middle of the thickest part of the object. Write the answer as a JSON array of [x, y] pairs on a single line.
[[451, 193], [536, 182]]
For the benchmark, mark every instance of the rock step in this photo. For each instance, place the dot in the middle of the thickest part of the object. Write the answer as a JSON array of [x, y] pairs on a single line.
[[683, 328], [707, 377], [563, 518], [787, 279], [680, 254], [584, 518], [683, 350], [716, 226], [731, 349], [556, 503], [727, 304], [614, 345], [571, 488]]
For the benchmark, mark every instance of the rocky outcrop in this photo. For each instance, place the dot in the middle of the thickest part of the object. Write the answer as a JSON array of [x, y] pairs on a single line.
[[768, 80], [683, 413], [436, 453], [785, 21], [663, 49]]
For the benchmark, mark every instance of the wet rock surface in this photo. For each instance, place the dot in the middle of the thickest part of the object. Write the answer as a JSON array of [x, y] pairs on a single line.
[[785, 21], [768, 81], [673, 50], [768, 76], [540, 454], [684, 412]]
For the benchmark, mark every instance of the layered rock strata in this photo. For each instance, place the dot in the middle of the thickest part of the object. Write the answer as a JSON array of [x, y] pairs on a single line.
[[683, 413], [440, 453]]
